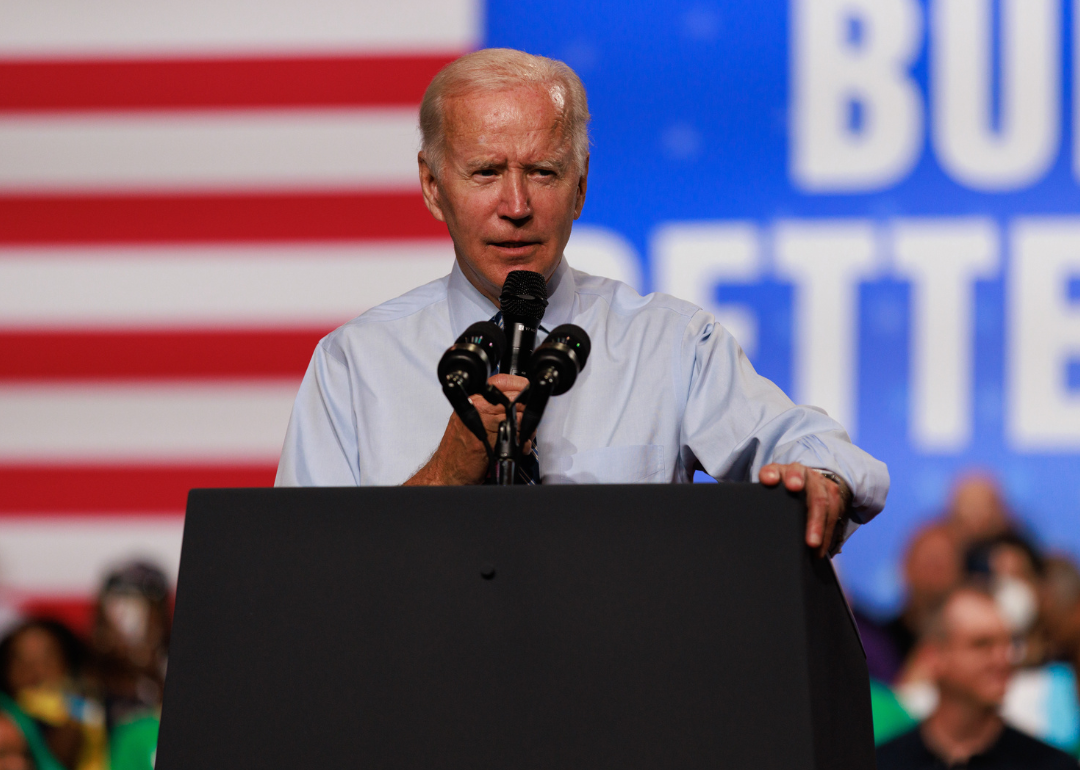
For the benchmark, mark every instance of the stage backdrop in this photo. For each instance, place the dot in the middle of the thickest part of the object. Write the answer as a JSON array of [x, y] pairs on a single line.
[[876, 196]]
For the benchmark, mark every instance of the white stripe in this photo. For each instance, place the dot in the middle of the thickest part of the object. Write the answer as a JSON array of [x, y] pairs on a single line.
[[71, 556], [268, 286], [323, 149], [49, 28], [219, 422]]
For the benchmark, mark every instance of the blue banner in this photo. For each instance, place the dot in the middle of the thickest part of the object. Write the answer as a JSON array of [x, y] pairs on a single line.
[[878, 197]]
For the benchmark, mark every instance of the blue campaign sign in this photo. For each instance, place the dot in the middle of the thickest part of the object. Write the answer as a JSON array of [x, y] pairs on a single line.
[[878, 197]]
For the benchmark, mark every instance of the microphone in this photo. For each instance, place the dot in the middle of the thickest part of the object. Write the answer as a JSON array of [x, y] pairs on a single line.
[[553, 370], [472, 358], [523, 301], [465, 368]]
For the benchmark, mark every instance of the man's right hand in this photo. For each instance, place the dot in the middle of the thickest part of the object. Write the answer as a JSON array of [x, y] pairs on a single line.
[[461, 458]]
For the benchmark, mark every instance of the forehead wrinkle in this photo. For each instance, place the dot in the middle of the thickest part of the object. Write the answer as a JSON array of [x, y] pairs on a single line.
[[530, 149], [469, 114]]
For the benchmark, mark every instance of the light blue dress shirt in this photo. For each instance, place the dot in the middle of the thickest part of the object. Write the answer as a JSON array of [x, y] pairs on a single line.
[[666, 389]]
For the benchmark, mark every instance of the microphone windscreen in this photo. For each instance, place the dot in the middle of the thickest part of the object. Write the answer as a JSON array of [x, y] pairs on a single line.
[[524, 296], [576, 337], [488, 336]]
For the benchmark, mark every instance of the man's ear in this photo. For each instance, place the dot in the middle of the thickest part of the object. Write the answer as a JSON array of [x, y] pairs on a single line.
[[429, 184], [582, 186]]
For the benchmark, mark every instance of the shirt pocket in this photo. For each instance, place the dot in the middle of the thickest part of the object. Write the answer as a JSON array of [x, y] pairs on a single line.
[[637, 464]]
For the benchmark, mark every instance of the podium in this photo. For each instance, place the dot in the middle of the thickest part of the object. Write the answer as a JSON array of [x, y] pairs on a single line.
[[649, 626]]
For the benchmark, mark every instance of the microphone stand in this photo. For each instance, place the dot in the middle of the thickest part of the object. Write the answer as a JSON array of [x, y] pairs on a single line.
[[504, 455], [504, 458]]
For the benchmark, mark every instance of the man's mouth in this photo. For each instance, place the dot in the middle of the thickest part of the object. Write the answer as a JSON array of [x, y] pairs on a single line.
[[514, 244]]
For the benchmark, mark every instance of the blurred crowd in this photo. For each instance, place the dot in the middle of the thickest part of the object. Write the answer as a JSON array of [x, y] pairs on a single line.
[[987, 639], [94, 703]]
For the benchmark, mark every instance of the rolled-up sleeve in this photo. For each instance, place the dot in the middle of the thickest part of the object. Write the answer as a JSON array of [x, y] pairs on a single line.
[[736, 422]]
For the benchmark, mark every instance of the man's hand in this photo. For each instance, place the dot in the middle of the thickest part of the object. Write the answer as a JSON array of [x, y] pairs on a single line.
[[826, 501], [461, 458]]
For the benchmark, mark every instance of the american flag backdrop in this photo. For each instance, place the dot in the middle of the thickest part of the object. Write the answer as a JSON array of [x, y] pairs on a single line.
[[191, 195]]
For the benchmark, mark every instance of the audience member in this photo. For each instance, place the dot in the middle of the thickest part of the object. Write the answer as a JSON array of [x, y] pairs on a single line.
[[1060, 602], [976, 510], [969, 648], [131, 641], [932, 568], [1012, 568], [134, 744], [40, 664], [1060, 608]]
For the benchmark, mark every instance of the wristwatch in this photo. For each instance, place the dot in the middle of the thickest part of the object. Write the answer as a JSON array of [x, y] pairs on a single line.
[[842, 522]]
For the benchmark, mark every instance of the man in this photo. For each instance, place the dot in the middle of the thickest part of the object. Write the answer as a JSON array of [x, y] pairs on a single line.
[[969, 647], [977, 511], [504, 163]]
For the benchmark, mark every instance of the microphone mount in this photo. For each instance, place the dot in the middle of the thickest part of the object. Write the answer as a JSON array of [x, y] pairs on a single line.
[[553, 369], [464, 370]]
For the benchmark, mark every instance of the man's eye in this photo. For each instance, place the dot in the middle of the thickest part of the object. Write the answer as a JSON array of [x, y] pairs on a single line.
[[486, 172]]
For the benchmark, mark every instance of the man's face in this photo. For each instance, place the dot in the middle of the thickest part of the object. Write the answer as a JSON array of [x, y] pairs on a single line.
[[508, 190], [972, 660], [932, 567]]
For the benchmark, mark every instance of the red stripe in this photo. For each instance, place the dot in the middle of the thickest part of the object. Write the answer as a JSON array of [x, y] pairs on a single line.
[[172, 354], [216, 83], [75, 612], [100, 489], [56, 219]]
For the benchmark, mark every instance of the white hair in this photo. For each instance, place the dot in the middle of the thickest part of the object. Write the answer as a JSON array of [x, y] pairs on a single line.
[[499, 69]]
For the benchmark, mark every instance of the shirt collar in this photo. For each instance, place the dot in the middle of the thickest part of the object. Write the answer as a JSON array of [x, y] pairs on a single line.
[[467, 305]]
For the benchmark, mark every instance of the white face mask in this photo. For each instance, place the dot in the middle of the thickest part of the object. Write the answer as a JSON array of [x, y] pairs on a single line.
[[129, 615], [1017, 603]]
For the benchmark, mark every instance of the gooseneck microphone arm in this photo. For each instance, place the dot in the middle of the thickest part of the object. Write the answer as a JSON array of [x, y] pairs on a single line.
[[458, 397], [464, 370], [553, 370], [537, 397]]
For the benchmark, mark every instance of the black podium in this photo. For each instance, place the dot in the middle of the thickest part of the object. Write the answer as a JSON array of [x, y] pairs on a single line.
[[517, 627]]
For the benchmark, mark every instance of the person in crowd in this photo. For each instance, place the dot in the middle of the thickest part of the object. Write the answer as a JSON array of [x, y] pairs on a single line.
[[1060, 608], [932, 568], [14, 748], [504, 164], [130, 641], [977, 510], [1042, 696], [40, 666], [1060, 603], [970, 647], [133, 744], [1012, 568]]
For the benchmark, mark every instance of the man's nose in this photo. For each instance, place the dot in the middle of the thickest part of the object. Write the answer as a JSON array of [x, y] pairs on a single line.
[[515, 198]]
